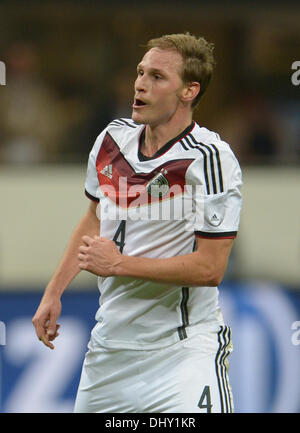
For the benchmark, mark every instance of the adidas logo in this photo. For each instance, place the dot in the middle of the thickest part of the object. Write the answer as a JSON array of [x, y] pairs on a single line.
[[107, 171], [214, 218]]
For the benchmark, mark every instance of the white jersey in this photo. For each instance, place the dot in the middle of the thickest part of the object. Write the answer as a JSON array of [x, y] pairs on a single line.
[[156, 207]]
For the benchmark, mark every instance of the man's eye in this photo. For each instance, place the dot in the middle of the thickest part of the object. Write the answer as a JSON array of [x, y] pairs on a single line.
[[157, 77], [140, 72]]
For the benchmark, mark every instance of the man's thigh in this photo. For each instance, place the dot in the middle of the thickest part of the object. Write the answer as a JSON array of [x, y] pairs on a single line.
[[108, 381], [191, 376]]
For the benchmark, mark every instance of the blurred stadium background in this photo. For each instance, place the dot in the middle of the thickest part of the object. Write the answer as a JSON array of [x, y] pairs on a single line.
[[70, 67]]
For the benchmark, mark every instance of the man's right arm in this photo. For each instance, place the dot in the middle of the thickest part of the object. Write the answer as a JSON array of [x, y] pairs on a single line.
[[49, 309]]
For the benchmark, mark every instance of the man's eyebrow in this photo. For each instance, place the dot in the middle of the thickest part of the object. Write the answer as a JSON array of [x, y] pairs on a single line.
[[154, 70]]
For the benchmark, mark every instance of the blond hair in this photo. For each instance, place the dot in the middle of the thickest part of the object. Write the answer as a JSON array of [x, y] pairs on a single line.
[[197, 55]]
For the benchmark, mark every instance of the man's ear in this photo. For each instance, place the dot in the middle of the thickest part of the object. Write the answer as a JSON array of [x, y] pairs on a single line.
[[190, 91]]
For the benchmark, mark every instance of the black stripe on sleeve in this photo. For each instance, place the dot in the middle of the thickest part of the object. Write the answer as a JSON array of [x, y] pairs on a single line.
[[219, 168], [90, 196], [216, 235], [212, 167]]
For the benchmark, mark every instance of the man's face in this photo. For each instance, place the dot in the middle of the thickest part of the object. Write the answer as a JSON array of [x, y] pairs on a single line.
[[158, 87]]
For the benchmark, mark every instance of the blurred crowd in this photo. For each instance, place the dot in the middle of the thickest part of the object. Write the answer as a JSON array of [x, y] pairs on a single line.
[[44, 122], [63, 87]]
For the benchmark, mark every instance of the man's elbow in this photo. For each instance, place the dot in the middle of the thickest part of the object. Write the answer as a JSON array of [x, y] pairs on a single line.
[[212, 278]]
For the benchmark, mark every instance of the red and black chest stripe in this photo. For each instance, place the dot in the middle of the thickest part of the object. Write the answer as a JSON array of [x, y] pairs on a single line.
[[120, 182]]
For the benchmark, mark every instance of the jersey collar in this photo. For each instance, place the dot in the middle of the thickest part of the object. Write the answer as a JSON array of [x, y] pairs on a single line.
[[165, 147]]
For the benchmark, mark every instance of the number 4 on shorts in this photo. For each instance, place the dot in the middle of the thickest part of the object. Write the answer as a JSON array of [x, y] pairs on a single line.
[[205, 400]]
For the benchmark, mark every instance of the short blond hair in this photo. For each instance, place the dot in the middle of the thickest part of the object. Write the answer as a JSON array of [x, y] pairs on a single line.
[[197, 55]]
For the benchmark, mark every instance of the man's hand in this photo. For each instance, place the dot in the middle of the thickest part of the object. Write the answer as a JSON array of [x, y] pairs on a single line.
[[45, 319], [99, 256]]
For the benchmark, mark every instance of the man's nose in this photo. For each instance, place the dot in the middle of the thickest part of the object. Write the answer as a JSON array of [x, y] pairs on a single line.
[[140, 84]]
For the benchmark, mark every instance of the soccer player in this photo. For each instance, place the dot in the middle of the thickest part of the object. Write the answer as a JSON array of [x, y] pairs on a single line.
[[167, 193]]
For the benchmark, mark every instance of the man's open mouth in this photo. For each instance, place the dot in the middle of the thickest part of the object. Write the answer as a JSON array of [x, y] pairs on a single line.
[[139, 103]]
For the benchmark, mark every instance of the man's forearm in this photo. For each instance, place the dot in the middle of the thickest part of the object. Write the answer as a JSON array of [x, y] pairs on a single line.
[[186, 270], [204, 267]]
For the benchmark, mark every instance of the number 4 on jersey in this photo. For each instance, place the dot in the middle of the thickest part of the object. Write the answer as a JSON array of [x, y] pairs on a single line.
[[205, 400], [119, 237]]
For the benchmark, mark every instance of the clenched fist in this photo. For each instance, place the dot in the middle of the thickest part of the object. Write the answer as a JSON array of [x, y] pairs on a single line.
[[99, 256]]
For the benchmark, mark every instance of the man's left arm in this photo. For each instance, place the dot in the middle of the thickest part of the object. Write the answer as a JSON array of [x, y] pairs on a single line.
[[204, 267]]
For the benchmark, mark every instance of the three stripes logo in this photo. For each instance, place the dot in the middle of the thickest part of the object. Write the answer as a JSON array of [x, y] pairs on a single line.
[[211, 163], [221, 365]]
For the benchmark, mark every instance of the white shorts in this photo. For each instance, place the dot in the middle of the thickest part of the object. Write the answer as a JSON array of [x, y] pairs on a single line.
[[187, 377]]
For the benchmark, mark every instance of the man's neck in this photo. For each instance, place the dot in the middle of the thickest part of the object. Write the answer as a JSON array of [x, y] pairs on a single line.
[[157, 136]]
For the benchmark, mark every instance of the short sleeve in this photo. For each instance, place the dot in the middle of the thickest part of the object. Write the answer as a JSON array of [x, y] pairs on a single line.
[[91, 180], [218, 198]]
